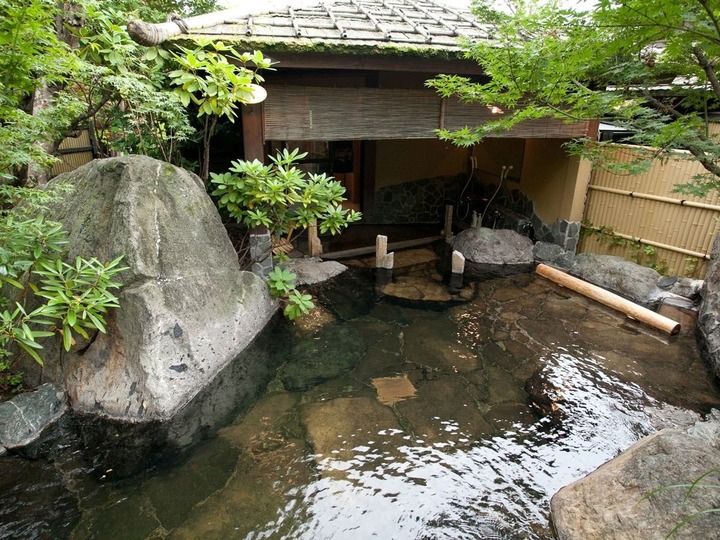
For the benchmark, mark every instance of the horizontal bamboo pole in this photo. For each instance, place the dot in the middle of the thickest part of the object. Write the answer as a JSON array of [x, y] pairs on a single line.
[[610, 299], [675, 249], [669, 200]]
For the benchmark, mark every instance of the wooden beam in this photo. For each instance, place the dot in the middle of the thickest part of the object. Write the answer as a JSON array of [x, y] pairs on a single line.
[[610, 299], [375, 62]]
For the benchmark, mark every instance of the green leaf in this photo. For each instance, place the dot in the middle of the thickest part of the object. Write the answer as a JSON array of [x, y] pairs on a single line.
[[67, 337], [33, 354]]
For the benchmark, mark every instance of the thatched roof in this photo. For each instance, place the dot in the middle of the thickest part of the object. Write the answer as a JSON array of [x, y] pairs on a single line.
[[421, 25]]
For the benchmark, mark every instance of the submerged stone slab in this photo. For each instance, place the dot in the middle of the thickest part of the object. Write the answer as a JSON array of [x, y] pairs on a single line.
[[331, 352], [612, 502], [418, 288], [444, 410], [391, 390], [336, 427]]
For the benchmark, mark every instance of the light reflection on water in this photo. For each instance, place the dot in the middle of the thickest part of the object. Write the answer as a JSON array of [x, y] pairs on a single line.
[[467, 458], [397, 487]]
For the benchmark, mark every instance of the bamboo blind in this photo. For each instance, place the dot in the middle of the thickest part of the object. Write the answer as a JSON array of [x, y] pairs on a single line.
[[302, 113], [644, 207]]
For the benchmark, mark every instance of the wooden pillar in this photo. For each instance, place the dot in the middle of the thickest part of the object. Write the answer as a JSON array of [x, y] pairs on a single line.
[[383, 259], [252, 130], [254, 148], [315, 248], [457, 271], [447, 228]]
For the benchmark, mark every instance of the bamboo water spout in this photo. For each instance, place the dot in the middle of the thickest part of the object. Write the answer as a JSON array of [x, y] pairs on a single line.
[[610, 299]]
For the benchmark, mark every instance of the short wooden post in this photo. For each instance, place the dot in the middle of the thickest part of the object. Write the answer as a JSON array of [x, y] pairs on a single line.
[[447, 229], [384, 263], [315, 248], [383, 259], [458, 269]]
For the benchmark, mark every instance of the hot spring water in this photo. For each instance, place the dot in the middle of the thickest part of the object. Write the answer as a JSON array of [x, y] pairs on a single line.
[[455, 420]]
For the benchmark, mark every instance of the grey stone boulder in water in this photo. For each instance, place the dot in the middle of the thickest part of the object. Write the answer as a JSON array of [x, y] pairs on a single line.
[[25, 418], [625, 278], [187, 310], [709, 313], [494, 252], [613, 501]]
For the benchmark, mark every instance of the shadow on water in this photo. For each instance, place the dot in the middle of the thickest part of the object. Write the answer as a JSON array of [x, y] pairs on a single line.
[[393, 420]]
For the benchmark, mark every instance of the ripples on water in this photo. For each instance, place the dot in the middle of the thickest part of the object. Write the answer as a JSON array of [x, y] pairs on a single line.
[[264, 476], [397, 487]]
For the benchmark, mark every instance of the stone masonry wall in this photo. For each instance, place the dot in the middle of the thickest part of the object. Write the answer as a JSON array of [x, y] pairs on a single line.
[[423, 201]]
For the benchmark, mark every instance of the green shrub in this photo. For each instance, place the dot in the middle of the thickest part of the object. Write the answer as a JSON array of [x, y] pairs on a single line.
[[67, 299]]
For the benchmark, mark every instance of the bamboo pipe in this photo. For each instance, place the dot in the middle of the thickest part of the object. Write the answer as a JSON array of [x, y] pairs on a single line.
[[610, 299], [659, 198]]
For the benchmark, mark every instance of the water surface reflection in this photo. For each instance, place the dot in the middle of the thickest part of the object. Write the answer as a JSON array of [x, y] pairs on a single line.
[[511, 396]]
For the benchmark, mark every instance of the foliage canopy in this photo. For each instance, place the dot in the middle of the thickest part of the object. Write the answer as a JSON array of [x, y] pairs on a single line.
[[647, 66]]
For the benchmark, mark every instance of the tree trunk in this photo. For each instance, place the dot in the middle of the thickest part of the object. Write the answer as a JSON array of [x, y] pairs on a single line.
[[40, 101]]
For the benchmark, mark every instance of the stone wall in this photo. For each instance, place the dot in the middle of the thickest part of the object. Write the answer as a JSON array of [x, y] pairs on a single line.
[[421, 201]]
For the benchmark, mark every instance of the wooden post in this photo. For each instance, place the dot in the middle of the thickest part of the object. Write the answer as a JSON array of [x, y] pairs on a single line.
[[458, 262], [252, 128], [315, 248], [458, 269], [383, 259], [447, 229], [610, 299]]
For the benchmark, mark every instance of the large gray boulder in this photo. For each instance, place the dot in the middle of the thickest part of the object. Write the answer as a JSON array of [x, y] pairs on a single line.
[[187, 310], [613, 502], [709, 313], [625, 278], [494, 252]]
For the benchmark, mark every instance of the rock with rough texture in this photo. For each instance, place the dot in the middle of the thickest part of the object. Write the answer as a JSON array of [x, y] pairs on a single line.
[[682, 286], [314, 270], [494, 252], [25, 418], [553, 255], [709, 313], [612, 502], [187, 310], [625, 278]]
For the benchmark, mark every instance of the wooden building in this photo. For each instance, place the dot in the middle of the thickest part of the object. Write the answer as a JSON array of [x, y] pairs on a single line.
[[349, 88]]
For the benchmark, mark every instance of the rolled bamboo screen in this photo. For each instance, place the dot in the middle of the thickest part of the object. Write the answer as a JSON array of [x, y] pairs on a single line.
[[302, 113]]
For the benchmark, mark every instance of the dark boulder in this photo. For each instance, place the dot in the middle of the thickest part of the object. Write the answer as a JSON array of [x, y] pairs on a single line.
[[709, 314]]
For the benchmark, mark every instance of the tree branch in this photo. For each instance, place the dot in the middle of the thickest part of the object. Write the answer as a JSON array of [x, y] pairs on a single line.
[[709, 69], [92, 111]]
